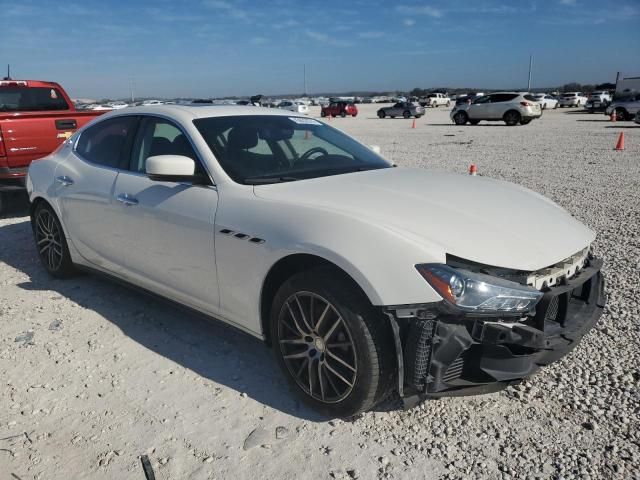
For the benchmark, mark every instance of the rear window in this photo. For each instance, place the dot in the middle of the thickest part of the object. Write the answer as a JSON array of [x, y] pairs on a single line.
[[31, 99], [533, 98]]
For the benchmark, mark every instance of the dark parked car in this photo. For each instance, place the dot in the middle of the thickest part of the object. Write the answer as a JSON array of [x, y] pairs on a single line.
[[404, 109], [339, 108]]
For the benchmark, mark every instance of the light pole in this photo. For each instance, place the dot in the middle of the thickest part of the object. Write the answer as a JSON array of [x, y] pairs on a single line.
[[530, 65]]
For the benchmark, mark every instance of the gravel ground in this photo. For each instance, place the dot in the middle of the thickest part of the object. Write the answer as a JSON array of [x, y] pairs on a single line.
[[93, 375]]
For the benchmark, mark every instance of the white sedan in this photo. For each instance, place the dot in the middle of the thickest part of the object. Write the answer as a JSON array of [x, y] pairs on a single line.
[[294, 106], [546, 101], [364, 278]]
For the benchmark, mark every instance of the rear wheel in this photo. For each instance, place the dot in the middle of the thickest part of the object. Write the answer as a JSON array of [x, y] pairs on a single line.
[[511, 118], [322, 113], [51, 242], [332, 345], [460, 118], [406, 114], [343, 114]]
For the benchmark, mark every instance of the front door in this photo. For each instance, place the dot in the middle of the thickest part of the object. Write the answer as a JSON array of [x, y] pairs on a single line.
[[168, 226]]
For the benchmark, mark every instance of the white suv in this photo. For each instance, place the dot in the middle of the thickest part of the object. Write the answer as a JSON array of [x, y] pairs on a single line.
[[572, 99], [598, 100], [297, 107], [510, 107]]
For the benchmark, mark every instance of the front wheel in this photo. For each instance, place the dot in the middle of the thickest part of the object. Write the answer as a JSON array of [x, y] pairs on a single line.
[[51, 242], [406, 114], [381, 114], [460, 118], [323, 113], [343, 114], [621, 114], [332, 345]]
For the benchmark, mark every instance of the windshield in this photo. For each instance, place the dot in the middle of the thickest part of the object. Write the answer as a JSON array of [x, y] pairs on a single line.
[[261, 149], [31, 99]]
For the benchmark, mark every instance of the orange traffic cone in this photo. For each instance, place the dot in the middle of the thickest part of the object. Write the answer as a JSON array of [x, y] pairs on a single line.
[[413, 125], [473, 170], [613, 116], [620, 144]]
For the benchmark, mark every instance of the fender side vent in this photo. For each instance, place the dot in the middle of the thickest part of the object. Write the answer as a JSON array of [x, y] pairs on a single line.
[[256, 240], [226, 231], [241, 236]]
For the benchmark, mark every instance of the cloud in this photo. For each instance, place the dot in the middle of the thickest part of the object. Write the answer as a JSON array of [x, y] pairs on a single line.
[[568, 2], [228, 8], [419, 10], [259, 40], [409, 22], [326, 39]]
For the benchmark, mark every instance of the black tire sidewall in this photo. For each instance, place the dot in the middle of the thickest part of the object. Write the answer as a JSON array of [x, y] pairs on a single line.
[[373, 365], [67, 268]]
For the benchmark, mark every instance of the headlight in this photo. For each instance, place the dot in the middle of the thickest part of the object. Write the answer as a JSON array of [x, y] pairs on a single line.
[[476, 292]]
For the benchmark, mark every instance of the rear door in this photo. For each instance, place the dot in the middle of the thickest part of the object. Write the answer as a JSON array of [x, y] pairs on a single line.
[[84, 185], [500, 103], [480, 108], [168, 227]]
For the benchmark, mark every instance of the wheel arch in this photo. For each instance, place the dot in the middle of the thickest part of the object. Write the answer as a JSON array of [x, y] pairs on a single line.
[[285, 268]]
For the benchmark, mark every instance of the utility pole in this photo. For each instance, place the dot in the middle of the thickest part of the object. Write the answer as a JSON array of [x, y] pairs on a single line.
[[131, 89], [304, 73], [530, 66], [8, 77]]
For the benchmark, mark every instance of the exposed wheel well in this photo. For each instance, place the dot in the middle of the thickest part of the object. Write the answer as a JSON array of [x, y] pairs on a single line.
[[284, 269], [33, 205]]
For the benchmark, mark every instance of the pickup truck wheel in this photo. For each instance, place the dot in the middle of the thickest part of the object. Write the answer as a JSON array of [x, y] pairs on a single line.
[[460, 118], [381, 114], [448, 104], [51, 243], [343, 114], [511, 118], [322, 113], [332, 345], [406, 114]]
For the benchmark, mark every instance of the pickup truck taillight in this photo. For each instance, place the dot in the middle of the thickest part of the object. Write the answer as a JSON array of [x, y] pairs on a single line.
[[3, 152]]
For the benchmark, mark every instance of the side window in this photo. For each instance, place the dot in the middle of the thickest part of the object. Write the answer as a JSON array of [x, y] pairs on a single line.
[[503, 97], [484, 99], [157, 136], [105, 143]]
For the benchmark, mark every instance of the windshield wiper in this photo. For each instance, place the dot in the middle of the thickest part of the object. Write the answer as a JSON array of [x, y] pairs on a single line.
[[271, 179]]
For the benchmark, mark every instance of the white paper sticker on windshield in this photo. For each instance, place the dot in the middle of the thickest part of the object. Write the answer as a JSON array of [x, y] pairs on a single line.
[[304, 121]]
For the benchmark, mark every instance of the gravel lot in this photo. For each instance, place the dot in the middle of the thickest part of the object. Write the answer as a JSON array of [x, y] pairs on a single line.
[[93, 375]]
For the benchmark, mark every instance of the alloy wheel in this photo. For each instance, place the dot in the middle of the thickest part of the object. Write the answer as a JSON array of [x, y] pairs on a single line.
[[48, 239], [317, 347]]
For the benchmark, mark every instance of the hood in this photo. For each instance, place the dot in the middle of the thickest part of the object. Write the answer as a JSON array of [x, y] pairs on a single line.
[[479, 219]]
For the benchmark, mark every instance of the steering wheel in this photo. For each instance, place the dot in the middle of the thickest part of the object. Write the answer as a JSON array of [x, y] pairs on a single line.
[[307, 155]]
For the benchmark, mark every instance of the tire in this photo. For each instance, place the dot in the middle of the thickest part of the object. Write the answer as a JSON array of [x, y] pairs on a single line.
[[381, 114], [448, 104], [511, 118], [406, 114], [461, 118], [343, 114], [524, 121], [555, 106], [322, 113], [51, 243], [621, 114], [474, 122], [362, 340]]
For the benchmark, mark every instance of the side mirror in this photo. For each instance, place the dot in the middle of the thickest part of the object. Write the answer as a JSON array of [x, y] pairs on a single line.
[[170, 168]]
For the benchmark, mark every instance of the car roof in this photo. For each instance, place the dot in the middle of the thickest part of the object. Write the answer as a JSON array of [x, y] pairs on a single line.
[[192, 112]]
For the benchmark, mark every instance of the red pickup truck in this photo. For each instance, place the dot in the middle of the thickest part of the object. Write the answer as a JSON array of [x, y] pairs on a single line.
[[35, 117]]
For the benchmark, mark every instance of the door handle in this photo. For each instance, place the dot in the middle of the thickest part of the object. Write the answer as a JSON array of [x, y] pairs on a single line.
[[64, 180], [127, 199]]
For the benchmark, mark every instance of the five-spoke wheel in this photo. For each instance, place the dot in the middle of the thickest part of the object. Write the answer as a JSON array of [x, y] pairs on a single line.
[[50, 242]]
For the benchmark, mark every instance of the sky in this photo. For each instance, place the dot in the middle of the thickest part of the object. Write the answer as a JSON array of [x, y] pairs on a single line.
[[213, 48]]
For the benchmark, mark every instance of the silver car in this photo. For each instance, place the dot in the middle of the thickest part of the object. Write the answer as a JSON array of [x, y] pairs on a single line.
[[510, 107], [625, 108], [402, 109]]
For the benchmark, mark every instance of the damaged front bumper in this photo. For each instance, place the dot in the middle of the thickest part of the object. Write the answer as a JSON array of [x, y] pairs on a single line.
[[443, 351]]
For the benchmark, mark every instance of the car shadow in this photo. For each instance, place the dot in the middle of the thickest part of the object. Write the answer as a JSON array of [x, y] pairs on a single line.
[[14, 204], [208, 347], [593, 120], [623, 126]]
